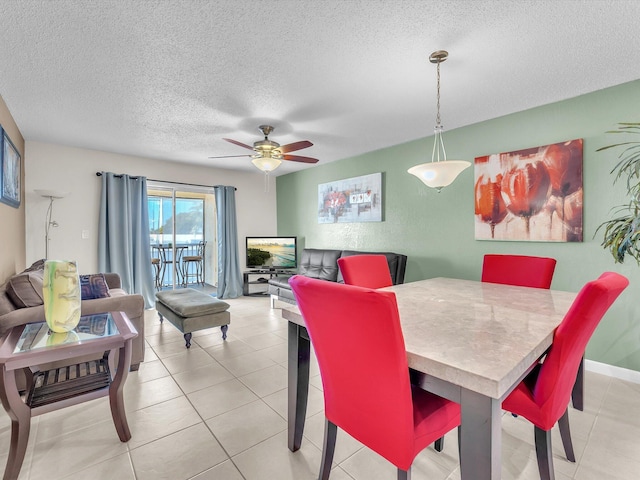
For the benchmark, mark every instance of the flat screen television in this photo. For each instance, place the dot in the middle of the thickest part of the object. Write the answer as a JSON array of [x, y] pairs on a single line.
[[271, 253]]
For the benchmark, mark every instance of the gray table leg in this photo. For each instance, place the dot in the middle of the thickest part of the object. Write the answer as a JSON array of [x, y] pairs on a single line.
[[298, 383], [481, 442]]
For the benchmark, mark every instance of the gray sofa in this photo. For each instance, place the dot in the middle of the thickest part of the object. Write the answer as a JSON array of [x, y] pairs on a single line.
[[21, 303], [323, 264]]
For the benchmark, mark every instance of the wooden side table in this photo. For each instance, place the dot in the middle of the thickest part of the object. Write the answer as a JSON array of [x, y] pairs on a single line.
[[28, 346]]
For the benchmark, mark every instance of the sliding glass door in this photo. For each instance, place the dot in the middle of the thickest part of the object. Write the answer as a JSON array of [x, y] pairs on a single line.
[[182, 226]]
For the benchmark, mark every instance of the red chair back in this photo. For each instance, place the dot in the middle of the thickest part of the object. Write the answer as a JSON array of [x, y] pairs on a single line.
[[557, 374], [359, 345], [370, 271], [519, 270]]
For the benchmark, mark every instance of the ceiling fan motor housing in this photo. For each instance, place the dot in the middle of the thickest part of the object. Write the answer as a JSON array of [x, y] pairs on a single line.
[[267, 148]]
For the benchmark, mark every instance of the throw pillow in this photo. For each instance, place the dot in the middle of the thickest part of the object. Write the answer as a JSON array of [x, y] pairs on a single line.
[[93, 286], [25, 289], [6, 305], [37, 265]]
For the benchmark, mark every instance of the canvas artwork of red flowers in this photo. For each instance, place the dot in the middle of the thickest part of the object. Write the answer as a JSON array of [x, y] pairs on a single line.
[[533, 194]]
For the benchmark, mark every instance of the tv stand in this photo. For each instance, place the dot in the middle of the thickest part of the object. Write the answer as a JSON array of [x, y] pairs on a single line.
[[274, 271], [263, 279]]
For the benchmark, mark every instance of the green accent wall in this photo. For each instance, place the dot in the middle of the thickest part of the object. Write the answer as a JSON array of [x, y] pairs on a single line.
[[436, 230]]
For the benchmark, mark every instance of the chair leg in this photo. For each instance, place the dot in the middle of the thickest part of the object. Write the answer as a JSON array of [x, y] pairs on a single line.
[[184, 268], [577, 394], [404, 474], [565, 434], [438, 445], [328, 449], [544, 454]]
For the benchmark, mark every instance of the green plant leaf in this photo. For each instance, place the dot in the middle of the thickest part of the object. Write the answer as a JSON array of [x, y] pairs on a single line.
[[615, 145], [621, 234]]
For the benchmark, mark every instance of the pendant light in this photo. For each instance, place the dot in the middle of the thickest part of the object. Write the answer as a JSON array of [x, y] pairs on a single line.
[[439, 172]]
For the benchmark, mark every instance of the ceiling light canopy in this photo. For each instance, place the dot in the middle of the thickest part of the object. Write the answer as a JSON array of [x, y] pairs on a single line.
[[439, 172]]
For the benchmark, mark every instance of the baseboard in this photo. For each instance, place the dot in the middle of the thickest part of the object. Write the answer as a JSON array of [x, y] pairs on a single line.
[[612, 371]]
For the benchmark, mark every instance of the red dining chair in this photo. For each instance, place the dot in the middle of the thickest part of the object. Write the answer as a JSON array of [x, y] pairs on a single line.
[[528, 271], [519, 270], [369, 271], [543, 396], [365, 376]]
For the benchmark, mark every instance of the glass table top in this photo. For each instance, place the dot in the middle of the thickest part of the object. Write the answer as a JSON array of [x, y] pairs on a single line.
[[91, 327]]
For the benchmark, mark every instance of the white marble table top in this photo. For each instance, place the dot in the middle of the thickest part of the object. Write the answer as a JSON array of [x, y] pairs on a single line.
[[480, 336]]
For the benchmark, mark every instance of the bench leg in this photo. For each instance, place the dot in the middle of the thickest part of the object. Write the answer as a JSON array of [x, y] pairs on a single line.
[[160, 315], [187, 339], [224, 329]]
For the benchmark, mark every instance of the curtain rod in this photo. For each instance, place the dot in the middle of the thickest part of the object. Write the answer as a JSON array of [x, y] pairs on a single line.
[[99, 174]]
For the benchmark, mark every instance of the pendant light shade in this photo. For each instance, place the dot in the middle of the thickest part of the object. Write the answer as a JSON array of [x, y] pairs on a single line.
[[439, 172]]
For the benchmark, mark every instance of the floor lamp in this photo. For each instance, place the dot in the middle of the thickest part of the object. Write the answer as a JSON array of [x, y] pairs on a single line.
[[51, 195]]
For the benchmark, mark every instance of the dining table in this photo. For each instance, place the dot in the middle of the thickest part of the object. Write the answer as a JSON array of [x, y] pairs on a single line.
[[170, 256], [468, 341]]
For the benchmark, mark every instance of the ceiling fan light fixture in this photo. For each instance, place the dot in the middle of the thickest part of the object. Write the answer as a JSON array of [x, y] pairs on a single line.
[[266, 164], [439, 172]]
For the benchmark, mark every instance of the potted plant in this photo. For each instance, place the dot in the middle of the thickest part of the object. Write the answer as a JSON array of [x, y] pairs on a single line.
[[622, 233]]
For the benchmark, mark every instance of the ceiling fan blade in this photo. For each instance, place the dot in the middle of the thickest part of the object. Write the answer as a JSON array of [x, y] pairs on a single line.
[[231, 156], [297, 158], [235, 142], [295, 146]]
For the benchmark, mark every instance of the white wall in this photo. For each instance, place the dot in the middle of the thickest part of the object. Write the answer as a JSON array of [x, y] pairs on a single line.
[[57, 167]]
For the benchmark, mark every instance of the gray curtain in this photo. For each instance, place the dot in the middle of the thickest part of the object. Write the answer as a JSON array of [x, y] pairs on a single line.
[[123, 233], [229, 274]]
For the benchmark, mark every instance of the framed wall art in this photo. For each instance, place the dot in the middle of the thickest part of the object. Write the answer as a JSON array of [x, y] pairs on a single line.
[[530, 195], [10, 169], [357, 199]]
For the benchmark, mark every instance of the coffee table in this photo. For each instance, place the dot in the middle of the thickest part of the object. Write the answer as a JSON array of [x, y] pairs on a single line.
[[27, 347]]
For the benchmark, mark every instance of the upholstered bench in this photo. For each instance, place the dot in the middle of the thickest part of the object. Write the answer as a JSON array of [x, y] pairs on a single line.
[[190, 310]]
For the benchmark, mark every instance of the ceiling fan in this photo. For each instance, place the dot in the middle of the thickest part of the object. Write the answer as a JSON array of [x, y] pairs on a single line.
[[269, 154]]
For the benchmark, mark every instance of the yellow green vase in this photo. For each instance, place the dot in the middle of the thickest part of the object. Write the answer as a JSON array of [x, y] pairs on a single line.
[[61, 295]]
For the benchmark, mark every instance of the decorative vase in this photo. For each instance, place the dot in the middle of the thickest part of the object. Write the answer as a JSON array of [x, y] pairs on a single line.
[[61, 295], [57, 338]]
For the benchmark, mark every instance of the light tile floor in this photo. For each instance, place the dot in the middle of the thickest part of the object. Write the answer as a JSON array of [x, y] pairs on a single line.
[[218, 411]]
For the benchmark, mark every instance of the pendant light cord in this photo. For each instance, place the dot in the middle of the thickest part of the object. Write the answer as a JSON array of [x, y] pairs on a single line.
[[439, 153], [438, 95]]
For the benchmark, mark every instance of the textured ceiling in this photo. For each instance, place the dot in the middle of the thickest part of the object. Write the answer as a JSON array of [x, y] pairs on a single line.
[[170, 79]]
